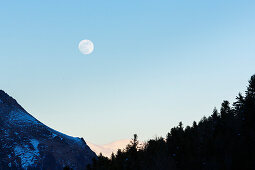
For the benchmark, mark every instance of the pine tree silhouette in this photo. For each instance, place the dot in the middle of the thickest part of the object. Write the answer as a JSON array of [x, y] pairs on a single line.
[[224, 140]]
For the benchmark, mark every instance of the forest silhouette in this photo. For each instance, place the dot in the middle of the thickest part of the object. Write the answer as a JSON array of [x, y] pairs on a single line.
[[224, 140]]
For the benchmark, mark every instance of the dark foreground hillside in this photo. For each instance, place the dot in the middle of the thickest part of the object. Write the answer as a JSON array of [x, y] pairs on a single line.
[[224, 140]]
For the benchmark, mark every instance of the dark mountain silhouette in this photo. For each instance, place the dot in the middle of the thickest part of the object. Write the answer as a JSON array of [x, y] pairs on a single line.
[[26, 143], [223, 141]]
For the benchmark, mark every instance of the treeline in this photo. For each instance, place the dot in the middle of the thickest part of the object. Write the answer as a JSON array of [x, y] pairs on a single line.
[[224, 140]]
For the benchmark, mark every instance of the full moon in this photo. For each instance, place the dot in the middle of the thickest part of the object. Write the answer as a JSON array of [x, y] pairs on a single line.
[[86, 47]]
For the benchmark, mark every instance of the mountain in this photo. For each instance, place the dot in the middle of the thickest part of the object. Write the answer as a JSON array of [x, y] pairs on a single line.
[[110, 148], [26, 143]]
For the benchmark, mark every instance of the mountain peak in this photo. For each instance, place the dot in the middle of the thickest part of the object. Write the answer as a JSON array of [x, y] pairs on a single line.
[[8, 100], [26, 143]]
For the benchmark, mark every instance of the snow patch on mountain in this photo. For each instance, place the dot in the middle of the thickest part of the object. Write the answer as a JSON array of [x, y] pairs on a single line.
[[27, 155], [22, 118], [35, 144]]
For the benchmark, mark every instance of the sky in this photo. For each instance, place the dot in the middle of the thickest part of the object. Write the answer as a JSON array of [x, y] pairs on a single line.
[[155, 63]]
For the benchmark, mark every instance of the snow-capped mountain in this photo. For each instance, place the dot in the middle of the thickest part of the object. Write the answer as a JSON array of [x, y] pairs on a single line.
[[110, 148], [26, 143]]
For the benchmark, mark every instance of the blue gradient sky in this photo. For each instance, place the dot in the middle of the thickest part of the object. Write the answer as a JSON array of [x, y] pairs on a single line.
[[155, 62]]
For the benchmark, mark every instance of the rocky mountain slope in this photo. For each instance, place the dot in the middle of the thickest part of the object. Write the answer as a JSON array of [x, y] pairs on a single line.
[[26, 143]]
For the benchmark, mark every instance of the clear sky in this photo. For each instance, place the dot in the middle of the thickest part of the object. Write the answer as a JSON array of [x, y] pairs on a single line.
[[155, 63]]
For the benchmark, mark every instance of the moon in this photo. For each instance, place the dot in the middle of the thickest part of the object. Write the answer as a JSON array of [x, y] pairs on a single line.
[[86, 47]]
